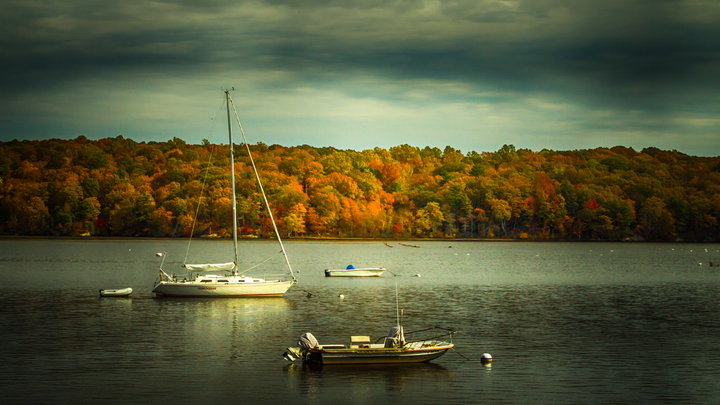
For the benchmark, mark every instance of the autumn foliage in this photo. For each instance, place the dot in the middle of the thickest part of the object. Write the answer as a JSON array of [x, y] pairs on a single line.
[[119, 187]]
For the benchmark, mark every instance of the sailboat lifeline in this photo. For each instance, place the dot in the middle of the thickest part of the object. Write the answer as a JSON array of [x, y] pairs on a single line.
[[231, 283]]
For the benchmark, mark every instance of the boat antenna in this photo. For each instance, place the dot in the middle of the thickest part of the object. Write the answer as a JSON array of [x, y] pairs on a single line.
[[232, 180], [401, 332], [397, 305], [259, 182]]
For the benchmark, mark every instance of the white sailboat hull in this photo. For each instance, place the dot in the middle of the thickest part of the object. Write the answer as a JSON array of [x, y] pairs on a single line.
[[361, 272], [195, 289]]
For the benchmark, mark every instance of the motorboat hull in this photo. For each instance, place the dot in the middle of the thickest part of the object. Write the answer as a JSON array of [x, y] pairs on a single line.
[[411, 352], [361, 272], [195, 289], [377, 356]]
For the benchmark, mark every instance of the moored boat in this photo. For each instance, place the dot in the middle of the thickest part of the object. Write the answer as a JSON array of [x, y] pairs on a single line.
[[351, 271], [392, 348], [120, 292], [225, 279]]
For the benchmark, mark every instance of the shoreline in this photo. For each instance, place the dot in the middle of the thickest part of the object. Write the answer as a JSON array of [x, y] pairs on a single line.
[[331, 239]]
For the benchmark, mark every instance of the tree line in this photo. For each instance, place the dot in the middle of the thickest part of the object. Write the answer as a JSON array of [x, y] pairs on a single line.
[[120, 187]]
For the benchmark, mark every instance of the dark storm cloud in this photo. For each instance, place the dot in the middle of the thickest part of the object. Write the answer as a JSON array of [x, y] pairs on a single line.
[[48, 42], [624, 49], [658, 58]]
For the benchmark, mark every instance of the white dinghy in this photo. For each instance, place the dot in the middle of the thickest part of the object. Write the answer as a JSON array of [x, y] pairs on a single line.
[[121, 292]]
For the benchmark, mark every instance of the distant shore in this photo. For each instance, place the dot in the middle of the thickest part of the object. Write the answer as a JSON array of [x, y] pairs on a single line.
[[333, 239], [323, 238]]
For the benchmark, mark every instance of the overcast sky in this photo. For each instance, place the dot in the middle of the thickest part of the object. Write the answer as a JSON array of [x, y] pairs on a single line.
[[554, 74]]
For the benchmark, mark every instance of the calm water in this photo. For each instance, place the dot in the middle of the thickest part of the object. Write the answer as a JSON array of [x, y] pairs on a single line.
[[565, 322]]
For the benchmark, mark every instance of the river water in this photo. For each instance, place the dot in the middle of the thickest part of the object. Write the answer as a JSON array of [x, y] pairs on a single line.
[[565, 323]]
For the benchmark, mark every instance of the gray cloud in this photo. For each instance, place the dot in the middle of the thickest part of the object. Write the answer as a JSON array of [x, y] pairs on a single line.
[[658, 58]]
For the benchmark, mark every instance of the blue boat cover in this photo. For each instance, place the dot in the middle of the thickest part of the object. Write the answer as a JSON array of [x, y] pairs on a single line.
[[349, 267]]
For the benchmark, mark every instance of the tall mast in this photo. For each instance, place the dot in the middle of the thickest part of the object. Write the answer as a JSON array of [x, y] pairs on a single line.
[[262, 191], [232, 182]]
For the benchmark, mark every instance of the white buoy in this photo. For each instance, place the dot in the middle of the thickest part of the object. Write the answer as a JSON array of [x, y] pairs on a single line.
[[341, 296], [418, 275], [486, 358]]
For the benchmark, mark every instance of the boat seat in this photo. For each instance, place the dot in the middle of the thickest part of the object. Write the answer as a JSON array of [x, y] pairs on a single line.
[[359, 341]]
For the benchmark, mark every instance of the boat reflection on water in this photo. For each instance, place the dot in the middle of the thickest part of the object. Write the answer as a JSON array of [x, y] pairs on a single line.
[[231, 328], [260, 304], [206, 312], [312, 378]]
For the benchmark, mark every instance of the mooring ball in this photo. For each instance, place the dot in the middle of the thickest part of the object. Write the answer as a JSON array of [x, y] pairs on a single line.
[[486, 358]]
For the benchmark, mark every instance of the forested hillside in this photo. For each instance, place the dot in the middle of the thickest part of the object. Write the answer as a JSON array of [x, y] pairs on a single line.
[[119, 187]]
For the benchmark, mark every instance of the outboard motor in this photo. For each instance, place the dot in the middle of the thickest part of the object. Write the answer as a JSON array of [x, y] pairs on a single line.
[[307, 341]]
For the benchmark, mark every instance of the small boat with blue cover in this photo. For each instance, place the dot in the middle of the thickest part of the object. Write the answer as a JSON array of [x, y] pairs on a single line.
[[351, 271]]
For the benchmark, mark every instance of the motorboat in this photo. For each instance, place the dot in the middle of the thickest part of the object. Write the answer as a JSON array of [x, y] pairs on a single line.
[[392, 348]]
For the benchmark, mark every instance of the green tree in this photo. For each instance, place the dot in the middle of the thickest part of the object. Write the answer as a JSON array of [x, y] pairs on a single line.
[[500, 213], [656, 221]]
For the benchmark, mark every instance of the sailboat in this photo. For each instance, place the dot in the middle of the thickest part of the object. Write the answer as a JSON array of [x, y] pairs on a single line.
[[224, 279]]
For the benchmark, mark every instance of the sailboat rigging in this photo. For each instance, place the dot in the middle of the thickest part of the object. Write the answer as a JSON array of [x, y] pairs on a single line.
[[231, 283]]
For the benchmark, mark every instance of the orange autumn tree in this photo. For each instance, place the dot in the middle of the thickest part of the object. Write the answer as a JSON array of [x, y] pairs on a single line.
[[120, 187]]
